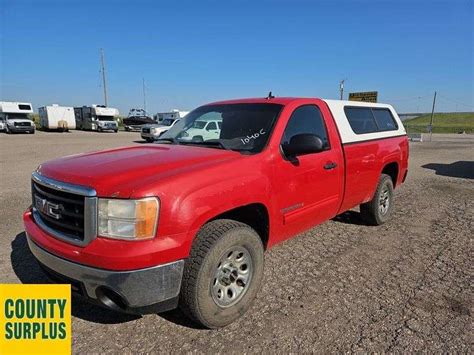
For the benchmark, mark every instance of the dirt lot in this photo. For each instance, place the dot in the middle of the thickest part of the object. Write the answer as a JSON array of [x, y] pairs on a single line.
[[343, 286]]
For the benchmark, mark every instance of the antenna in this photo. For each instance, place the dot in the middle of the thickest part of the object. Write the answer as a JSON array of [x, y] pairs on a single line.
[[270, 96], [144, 96], [104, 79]]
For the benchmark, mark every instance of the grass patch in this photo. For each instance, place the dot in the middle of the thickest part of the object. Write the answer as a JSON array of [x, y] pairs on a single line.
[[442, 123]]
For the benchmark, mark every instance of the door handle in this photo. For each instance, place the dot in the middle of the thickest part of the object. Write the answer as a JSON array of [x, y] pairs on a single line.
[[330, 165]]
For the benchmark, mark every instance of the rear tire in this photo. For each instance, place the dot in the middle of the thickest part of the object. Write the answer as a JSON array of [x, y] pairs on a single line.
[[222, 274], [378, 210]]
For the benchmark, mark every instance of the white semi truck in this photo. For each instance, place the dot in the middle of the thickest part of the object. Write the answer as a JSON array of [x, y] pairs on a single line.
[[96, 118], [57, 117], [14, 117]]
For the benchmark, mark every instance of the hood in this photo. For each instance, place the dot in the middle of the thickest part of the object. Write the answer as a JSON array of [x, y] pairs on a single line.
[[118, 172], [157, 127], [151, 125], [193, 131]]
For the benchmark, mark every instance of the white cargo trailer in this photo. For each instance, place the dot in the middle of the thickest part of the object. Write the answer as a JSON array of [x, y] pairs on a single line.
[[57, 117], [14, 117]]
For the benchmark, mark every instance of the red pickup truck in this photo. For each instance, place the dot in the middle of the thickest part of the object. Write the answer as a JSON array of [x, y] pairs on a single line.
[[186, 221]]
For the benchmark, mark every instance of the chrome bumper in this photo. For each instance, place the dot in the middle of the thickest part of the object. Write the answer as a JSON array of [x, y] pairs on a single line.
[[17, 129], [137, 288]]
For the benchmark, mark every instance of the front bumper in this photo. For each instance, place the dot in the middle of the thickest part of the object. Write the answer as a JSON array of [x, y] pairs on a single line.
[[149, 135], [146, 290], [137, 128], [20, 129], [107, 128]]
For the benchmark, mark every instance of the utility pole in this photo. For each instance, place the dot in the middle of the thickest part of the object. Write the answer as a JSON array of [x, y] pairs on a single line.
[[144, 95], [432, 114], [104, 79], [341, 88]]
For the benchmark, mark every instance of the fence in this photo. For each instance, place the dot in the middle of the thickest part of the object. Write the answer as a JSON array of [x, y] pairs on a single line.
[[438, 129]]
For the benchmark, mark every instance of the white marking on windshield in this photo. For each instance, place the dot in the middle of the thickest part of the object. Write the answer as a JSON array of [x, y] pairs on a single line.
[[247, 139]]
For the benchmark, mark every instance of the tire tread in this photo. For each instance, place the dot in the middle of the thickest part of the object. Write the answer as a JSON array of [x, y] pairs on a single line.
[[202, 244], [369, 210]]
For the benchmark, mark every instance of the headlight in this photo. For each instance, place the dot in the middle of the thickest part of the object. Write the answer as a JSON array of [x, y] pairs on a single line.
[[128, 219]]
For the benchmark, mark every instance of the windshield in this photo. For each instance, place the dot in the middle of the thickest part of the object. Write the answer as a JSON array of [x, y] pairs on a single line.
[[167, 122], [241, 127], [105, 118], [17, 116]]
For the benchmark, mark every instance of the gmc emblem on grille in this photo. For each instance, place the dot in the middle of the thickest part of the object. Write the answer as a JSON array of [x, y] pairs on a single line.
[[46, 207]]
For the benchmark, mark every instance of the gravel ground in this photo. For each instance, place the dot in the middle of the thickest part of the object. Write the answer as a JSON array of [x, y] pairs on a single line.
[[340, 287]]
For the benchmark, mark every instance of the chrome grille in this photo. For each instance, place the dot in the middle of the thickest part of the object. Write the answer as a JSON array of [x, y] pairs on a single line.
[[22, 124], [68, 212]]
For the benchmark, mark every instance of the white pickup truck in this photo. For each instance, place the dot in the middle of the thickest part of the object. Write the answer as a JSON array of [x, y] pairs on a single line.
[[202, 130], [151, 132]]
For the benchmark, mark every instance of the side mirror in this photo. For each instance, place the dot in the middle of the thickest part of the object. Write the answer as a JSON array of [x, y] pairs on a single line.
[[301, 144]]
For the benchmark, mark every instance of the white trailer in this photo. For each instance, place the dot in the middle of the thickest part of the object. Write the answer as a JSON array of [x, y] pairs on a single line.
[[57, 117], [14, 117], [173, 114]]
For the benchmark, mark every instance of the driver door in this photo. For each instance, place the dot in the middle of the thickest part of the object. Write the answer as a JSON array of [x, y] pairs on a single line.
[[309, 188]]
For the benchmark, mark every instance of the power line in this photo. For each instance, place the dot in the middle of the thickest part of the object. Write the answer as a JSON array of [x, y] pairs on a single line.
[[456, 102], [408, 98]]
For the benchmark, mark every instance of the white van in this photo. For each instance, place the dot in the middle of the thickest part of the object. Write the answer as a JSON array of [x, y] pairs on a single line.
[[57, 117], [14, 117]]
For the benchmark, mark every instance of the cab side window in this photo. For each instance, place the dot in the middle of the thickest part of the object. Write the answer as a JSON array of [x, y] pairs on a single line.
[[306, 119], [211, 126]]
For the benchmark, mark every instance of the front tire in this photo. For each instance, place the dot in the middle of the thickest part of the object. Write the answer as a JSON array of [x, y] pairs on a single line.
[[378, 210], [222, 274]]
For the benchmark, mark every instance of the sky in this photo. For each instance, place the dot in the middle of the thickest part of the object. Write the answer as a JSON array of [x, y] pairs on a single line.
[[194, 52]]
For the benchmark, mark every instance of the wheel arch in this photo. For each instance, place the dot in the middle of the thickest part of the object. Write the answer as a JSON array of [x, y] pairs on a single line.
[[254, 215], [391, 169]]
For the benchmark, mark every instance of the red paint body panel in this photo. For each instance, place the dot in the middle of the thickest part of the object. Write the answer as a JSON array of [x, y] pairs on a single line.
[[196, 184], [364, 164]]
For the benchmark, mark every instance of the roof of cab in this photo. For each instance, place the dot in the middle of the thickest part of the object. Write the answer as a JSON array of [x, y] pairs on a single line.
[[259, 100]]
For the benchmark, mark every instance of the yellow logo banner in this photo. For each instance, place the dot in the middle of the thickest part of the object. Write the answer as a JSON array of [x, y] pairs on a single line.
[[35, 319]]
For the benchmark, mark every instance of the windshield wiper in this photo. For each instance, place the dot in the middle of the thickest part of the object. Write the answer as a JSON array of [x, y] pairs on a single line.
[[210, 143]]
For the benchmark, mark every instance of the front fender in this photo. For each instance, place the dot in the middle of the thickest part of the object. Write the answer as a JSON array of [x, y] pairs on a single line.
[[194, 209], [211, 201]]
